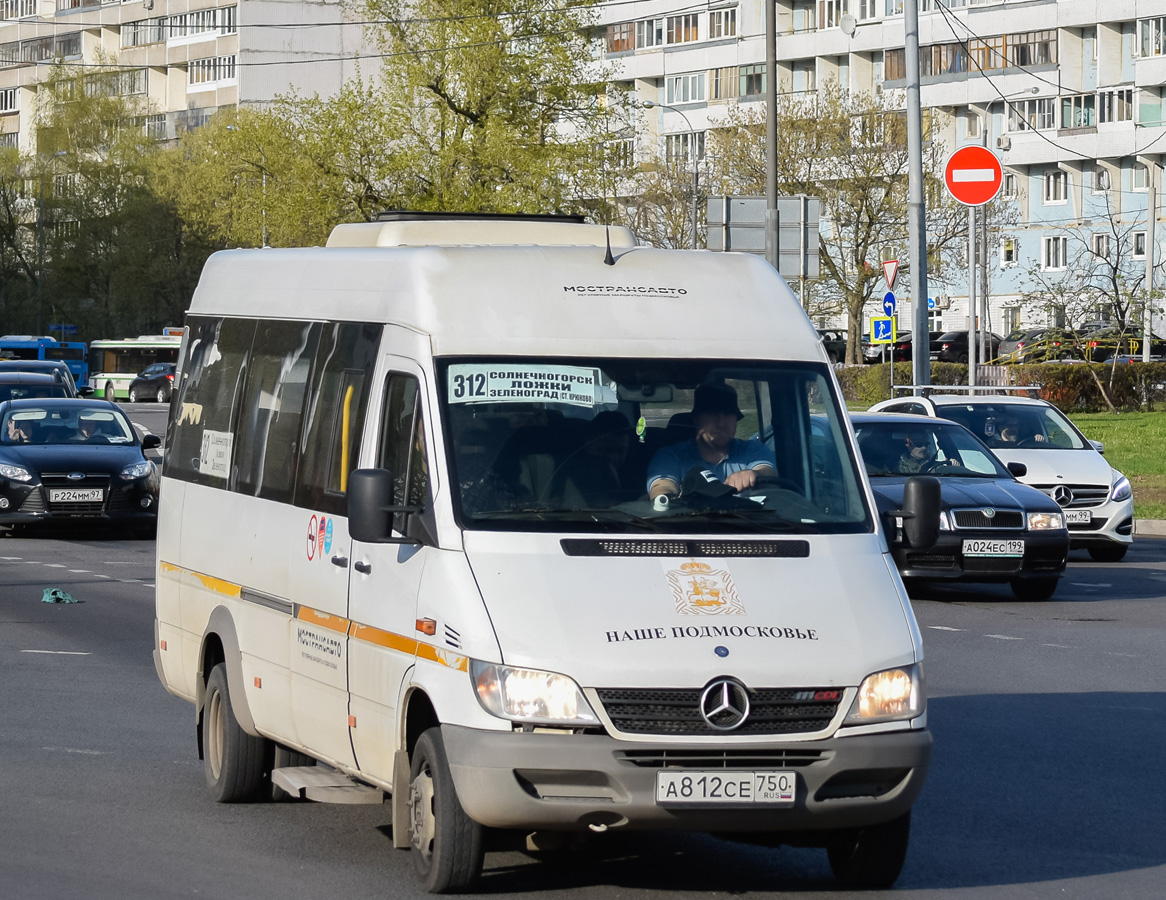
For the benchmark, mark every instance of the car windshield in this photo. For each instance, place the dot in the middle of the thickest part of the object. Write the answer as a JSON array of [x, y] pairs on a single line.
[[1016, 425], [37, 424], [931, 447], [572, 445]]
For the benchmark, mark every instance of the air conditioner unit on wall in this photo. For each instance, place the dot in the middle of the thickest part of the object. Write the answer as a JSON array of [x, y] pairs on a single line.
[[1004, 143]]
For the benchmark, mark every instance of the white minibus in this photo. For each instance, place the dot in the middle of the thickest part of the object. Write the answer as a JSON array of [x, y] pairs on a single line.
[[513, 524]]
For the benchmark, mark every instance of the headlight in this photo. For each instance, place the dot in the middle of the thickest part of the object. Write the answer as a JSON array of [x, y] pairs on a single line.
[[16, 473], [527, 695], [1039, 521], [1121, 489], [944, 523], [136, 470], [888, 696]]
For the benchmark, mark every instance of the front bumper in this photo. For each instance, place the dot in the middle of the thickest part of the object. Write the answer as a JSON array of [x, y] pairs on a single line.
[[1045, 556], [27, 504], [569, 782], [1111, 523]]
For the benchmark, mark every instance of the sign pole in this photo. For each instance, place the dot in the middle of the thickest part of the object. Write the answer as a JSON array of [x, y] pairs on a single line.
[[972, 296]]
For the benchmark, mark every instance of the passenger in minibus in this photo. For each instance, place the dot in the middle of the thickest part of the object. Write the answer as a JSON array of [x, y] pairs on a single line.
[[594, 476], [714, 448]]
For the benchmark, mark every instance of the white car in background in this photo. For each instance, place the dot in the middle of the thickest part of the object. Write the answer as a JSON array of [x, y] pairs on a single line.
[[1097, 499]]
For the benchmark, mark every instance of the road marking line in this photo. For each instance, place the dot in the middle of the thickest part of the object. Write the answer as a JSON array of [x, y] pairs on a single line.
[[55, 565], [943, 628], [79, 571], [11, 558], [1004, 637], [74, 750], [1058, 646], [60, 652]]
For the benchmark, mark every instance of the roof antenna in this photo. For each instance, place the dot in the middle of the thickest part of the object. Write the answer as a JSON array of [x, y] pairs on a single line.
[[608, 259]]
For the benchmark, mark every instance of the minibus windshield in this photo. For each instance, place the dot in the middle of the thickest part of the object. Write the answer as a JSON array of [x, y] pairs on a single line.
[[646, 445]]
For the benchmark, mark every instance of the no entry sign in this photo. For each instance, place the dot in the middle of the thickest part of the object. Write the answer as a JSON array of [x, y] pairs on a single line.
[[973, 175]]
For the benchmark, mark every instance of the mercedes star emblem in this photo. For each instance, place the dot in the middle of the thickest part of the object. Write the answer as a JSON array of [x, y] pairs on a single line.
[[724, 705], [1062, 495]]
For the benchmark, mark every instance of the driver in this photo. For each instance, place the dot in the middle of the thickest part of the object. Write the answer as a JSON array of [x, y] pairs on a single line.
[[918, 454], [714, 449]]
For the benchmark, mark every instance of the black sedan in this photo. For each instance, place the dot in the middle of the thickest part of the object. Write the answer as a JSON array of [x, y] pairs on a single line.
[[74, 461], [992, 528], [154, 382]]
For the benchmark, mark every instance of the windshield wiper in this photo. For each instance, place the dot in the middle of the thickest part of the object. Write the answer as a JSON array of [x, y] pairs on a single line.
[[567, 514]]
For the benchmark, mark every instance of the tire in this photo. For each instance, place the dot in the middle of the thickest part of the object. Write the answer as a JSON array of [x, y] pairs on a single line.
[[833, 358], [237, 764], [871, 857], [162, 396], [962, 358], [109, 393], [1033, 589], [1109, 552], [133, 395], [446, 844]]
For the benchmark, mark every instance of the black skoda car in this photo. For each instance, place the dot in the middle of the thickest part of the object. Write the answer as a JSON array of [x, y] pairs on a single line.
[[74, 461], [992, 528]]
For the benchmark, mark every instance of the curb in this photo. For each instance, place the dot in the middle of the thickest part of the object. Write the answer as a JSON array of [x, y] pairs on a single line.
[[1155, 527]]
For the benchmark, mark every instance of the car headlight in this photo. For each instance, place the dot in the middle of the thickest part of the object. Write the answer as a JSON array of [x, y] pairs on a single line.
[[1121, 489], [136, 470], [528, 695], [888, 696], [1039, 521], [944, 522], [16, 473]]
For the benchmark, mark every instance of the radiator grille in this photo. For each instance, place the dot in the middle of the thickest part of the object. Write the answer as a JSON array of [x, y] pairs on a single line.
[[672, 711], [722, 759], [975, 518]]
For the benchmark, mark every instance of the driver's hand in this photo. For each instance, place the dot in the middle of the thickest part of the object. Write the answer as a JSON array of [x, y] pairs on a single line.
[[743, 480]]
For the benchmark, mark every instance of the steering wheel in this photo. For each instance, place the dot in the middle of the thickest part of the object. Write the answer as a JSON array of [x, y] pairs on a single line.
[[776, 481], [939, 464], [1030, 443]]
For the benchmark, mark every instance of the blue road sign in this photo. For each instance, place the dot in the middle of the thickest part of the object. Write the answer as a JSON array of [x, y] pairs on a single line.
[[889, 303], [882, 330], [931, 303], [63, 329]]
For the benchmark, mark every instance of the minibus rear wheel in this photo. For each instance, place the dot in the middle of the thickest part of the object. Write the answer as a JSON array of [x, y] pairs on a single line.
[[235, 762], [446, 843], [870, 857]]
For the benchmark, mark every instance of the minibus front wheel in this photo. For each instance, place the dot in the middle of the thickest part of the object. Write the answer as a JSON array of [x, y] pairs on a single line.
[[446, 844], [235, 761], [870, 857]]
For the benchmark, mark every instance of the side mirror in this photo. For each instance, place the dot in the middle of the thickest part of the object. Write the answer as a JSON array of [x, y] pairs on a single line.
[[1098, 446], [1018, 469], [151, 442], [920, 512], [371, 509]]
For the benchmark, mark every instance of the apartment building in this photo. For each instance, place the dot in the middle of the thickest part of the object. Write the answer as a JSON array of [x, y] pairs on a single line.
[[189, 58], [1070, 94]]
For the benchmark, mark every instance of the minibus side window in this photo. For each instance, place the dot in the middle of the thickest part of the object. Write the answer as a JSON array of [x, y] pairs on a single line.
[[204, 434], [272, 410], [402, 444], [334, 415]]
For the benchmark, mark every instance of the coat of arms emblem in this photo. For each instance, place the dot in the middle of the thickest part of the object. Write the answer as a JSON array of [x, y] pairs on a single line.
[[701, 590]]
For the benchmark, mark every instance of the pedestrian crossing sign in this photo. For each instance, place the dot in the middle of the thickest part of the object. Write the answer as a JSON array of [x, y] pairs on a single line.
[[882, 329]]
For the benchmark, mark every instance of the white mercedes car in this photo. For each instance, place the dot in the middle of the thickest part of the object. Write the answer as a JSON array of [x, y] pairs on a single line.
[[1097, 499]]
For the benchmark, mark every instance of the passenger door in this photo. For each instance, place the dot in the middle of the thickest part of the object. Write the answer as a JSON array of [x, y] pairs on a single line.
[[386, 578]]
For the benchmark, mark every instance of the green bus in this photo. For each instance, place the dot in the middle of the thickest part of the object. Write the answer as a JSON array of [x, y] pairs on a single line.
[[114, 364]]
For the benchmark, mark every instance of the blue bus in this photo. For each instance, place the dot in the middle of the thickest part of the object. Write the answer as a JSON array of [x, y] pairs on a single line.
[[29, 346]]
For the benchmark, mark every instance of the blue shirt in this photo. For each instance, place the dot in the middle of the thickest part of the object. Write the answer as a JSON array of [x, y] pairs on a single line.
[[675, 462]]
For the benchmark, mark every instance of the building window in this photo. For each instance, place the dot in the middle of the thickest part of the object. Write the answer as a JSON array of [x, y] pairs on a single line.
[[144, 31], [723, 83], [1028, 115], [1139, 245], [1032, 48], [1100, 245], [1139, 177], [1056, 251], [1101, 180], [8, 140], [1056, 187], [895, 65], [211, 70], [894, 7], [679, 147], [722, 23], [622, 153], [943, 59], [1008, 188], [650, 33], [972, 124], [866, 9], [685, 88], [8, 97], [752, 80], [1115, 106], [683, 29], [988, 53], [1009, 252], [621, 37], [1011, 319], [1077, 112], [830, 13], [1152, 36], [805, 76]]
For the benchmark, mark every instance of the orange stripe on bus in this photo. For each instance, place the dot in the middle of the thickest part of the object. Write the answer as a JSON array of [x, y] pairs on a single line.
[[371, 635], [324, 620]]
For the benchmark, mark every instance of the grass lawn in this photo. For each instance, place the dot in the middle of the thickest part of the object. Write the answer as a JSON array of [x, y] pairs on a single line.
[[1135, 445]]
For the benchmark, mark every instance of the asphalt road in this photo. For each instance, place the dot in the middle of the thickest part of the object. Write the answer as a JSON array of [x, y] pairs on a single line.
[[1047, 782]]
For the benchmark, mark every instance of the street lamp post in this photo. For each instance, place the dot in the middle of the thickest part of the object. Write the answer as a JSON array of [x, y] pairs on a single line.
[[651, 104], [40, 238]]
